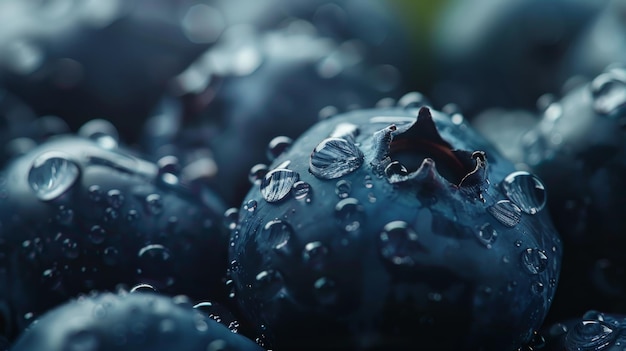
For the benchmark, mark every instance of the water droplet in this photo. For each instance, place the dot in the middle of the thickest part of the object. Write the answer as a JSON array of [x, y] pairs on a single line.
[[487, 235], [412, 100], [95, 193], [535, 261], [590, 335], [115, 198], [65, 215], [132, 215], [334, 158], [506, 213], [231, 217], [143, 288], [399, 244], [102, 132], [537, 287], [395, 168], [70, 248], [277, 234], [325, 291], [526, 191], [517, 243], [154, 204], [346, 131], [250, 206], [51, 175], [314, 255], [342, 189], [110, 255], [609, 93], [154, 265], [349, 214], [277, 184], [302, 191], [269, 283], [278, 146]]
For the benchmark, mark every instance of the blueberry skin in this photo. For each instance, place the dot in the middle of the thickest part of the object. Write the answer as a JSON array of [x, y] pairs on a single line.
[[340, 246], [82, 60], [506, 54], [79, 216], [576, 145], [593, 331], [290, 78], [138, 321]]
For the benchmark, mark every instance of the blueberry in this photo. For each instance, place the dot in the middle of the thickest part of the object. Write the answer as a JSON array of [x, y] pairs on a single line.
[[80, 214], [92, 59], [593, 331], [394, 227], [576, 145], [505, 54], [138, 322], [251, 87]]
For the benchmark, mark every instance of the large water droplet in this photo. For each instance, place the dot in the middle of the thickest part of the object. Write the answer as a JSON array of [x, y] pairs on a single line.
[[609, 93], [526, 191], [154, 265], [590, 335], [506, 213], [487, 235], [51, 175], [349, 214], [334, 158], [534, 260], [277, 184], [399, 244], [277, 234]]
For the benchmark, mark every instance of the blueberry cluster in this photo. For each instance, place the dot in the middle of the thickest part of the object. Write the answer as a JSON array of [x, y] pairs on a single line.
[[205, 175]]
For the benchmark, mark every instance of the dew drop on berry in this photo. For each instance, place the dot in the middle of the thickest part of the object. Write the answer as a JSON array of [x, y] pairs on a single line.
[[277, 184], [51, 175], [277, 233], [334, 158], [399, 243], [65, 215], [143, 288], [342, 189], [250, 206], [325, 291], [278, 146], [70, 248], [534, 260], [231, 217], [395, 169], [102, 132], [346, 131], [302, 190], [537, 287], [154, 204], [314, 255], [269, 283], [609, 93], [154, 260], [590, 335], [349, 215], [506, 213], [526, 191], [412, 100], [115, 198], [257, 173], [486, 235], [95, 193]]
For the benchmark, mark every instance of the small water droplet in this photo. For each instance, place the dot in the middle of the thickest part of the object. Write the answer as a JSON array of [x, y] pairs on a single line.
[[334, 158], [537, 287], [506, 213], [154, 265], [535, 261], [231, 217], [302, 191], [115, 198], [349, 214], [314, 255], [487, 235], [70, 248], [143, 288], [609, 93], [277, 234], [132, 215], [412, 100], [277, 184], [95, 193], [278, 146], [51, 175], [395, 168], [110, 255], [399, 243], [65, 216], [325, 291], [154, 204], [526, 191], [269, 283], [250, 206], [590, 335], [342, 189]]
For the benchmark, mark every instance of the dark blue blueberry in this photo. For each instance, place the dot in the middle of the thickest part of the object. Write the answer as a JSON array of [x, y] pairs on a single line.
[[394, 227], [80, 214], [594, 331], [577, 147], [252, 87], [505, 54], [138, 322]]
